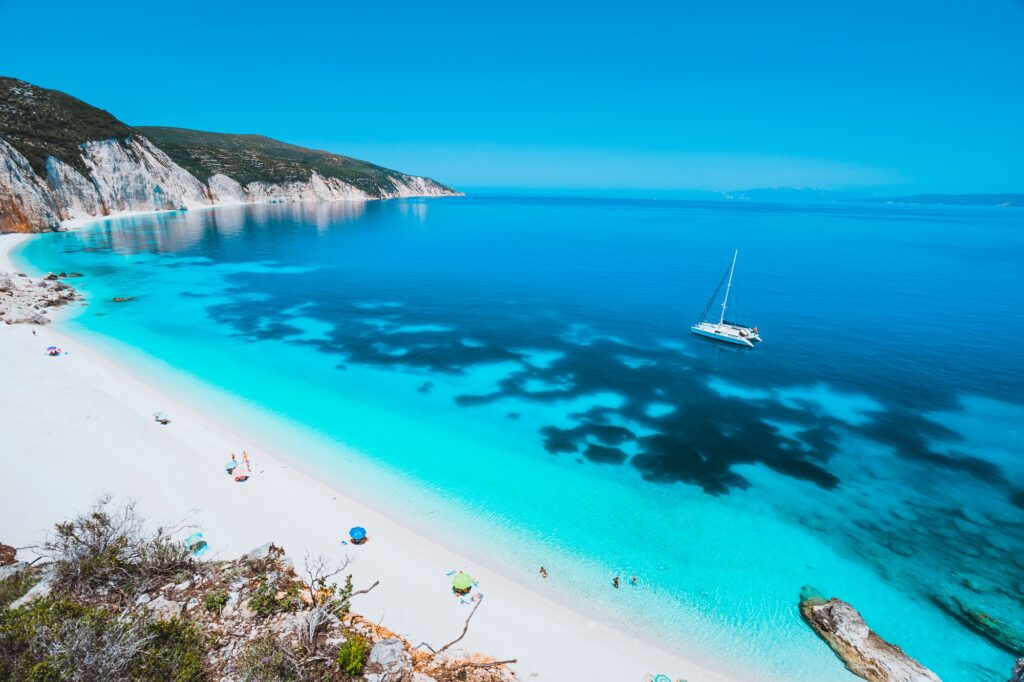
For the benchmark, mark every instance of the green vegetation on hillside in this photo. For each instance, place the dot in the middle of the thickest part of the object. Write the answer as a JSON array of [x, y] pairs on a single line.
[[40, 123], [252, 158]]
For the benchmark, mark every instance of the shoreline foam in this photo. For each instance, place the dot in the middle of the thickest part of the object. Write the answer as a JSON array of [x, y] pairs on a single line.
[[116, 447]]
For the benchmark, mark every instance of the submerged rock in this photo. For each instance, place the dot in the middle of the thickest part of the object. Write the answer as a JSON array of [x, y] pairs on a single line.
[[991, 628], [1018, 671], [864, 653]]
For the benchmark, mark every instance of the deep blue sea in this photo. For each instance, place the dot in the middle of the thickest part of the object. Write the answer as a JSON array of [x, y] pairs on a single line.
[[518, 380]]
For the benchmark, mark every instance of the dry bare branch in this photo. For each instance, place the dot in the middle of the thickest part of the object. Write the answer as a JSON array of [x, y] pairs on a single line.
[[375, 583], [465, 627]]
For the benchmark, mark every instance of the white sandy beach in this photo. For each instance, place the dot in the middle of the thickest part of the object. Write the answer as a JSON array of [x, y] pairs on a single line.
[[77, 426]]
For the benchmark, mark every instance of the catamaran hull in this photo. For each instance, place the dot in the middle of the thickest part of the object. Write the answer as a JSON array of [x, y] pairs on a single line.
[[725, 339]]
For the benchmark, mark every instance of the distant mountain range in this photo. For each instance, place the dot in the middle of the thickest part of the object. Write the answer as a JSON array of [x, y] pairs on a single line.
[[814, 195], [62, 159]]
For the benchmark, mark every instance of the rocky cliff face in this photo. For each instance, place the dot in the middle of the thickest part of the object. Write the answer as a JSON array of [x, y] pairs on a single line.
[[62, 159], [26, 204], [129, 175]]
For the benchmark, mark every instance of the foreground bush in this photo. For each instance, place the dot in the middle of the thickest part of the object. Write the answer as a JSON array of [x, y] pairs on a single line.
[[266, 660], [352, 655], [56, 638], [107, 549]]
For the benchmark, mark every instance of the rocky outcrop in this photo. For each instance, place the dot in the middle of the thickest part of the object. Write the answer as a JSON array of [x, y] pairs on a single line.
[[24, 300], [864, 653]]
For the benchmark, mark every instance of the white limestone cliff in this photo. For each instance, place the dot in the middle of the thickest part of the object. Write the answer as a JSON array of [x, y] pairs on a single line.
[[26, 204], [133, 175], [75, 196]]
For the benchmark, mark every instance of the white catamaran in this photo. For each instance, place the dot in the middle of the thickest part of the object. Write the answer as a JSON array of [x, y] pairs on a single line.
[[722, 330]]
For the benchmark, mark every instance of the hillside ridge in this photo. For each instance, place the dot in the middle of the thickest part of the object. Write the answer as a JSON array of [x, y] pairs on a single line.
[[63, 159]]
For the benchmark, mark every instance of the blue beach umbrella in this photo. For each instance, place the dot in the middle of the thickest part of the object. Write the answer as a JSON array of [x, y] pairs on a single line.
[[230, 466], [357, 533]]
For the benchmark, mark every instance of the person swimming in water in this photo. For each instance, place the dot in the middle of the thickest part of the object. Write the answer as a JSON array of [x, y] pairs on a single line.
[[615, 582], [543, 572]]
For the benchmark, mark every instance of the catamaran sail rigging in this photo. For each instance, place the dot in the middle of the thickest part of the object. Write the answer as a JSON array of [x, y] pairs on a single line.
[[722, 330]]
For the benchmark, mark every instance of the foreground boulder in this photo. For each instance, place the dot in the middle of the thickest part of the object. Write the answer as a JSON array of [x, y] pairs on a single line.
[[389, 662], [864, 653], [1018, 671]]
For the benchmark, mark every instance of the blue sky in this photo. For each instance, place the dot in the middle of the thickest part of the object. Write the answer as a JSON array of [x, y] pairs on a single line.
[[633, 97]]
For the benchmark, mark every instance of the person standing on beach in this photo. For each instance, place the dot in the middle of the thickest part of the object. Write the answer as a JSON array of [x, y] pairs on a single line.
[[245, 461]]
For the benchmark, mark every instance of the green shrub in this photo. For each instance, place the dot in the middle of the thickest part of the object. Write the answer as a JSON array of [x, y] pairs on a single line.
[[108, 549], [214, 601], [352, 655], [266, 660], [175, 653], [264, 600], [55, 638]]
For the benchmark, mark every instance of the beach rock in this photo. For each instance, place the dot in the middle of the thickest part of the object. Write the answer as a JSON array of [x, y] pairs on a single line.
[[49, 277], [864, 653], [39, 590], [6, 284], [388, 662], [1018, 671], [1003, 635], [7, 554], [123, 299], [16, 313]]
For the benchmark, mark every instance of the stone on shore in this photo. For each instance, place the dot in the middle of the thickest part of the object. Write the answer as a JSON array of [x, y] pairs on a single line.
[[864, 653], [23, 299], [1018, 671]]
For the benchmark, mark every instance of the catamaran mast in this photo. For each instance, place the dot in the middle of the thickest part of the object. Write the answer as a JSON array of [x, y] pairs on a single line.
[[728, 286]]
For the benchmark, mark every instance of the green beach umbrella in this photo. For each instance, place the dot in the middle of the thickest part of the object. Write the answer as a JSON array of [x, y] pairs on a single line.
[[462, 581]]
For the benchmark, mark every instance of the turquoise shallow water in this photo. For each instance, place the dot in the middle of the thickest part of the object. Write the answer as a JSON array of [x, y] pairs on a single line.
[[515, 377]]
